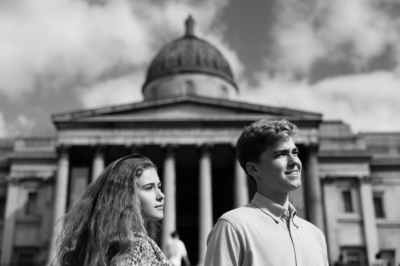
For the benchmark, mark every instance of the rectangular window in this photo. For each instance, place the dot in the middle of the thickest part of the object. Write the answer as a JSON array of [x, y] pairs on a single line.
[[347, 201], [378, 205], [388, 256], [31, 205], [2, 208], [354, 256], [25, 257]]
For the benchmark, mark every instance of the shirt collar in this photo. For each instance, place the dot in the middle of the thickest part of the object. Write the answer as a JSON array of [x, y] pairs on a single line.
[[273, 209]]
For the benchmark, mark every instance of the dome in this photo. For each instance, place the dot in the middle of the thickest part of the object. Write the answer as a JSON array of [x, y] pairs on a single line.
[[189, 54]]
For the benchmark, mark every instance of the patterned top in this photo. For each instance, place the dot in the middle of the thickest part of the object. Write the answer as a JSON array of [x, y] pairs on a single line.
[[144, 252]]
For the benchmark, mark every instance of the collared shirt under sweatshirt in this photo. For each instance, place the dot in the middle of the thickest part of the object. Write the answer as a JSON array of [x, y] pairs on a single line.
[[256, 235]]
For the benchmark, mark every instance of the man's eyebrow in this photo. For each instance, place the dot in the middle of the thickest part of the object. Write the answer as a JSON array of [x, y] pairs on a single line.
[[281, 151], [285, 150]]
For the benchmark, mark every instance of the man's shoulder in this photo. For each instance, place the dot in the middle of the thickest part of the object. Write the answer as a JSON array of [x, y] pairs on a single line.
[[310, 227], [304, 222], [239, 215]]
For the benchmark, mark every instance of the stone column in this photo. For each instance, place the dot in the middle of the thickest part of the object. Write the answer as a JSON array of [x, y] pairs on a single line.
[[60, 203], [205, 201], [13, 204], [332, 228], [169, 184], [314, 189], [241, 188], [368, 216], [98, 163]]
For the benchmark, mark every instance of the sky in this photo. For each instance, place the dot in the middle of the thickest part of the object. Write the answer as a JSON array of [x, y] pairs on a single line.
[[339, 58]]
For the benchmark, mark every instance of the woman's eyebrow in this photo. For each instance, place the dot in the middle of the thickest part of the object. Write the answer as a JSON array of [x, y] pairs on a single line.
[[148, 184], [152, 184]]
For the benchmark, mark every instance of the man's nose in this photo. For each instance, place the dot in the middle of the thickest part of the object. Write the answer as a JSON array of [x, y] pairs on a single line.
[[293, 159]]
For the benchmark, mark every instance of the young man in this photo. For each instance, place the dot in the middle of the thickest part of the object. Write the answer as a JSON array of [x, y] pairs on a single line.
[[267, 230]]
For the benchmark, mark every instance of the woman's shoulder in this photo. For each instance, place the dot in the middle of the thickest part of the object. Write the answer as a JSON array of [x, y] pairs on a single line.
[[144, 251]]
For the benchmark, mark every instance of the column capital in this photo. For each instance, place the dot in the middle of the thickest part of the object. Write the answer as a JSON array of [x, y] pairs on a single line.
[[63, 150], [98, 148], [134, 148], [329, 179], [232, 147], [233, 144], [12, 181], [205, 147], [169, 147], [312, 147], [365, 179]]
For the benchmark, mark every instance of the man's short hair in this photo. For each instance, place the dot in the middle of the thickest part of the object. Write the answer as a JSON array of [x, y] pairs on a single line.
[[259, 136]]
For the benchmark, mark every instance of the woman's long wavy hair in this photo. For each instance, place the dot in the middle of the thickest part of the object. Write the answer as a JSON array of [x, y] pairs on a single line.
[[98, 228]]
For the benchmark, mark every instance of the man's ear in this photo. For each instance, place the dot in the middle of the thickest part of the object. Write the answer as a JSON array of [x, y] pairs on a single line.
[[252, 169]]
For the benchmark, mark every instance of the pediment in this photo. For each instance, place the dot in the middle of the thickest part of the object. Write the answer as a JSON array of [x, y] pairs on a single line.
[[182, 108]]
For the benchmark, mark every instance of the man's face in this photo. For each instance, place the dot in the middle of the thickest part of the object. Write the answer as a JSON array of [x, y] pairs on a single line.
[[278, 171]]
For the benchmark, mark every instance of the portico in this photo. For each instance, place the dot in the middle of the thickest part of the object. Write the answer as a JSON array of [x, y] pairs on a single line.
[[196, 162]]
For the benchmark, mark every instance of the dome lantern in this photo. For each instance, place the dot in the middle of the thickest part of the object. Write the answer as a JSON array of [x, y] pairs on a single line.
[[189, 23]]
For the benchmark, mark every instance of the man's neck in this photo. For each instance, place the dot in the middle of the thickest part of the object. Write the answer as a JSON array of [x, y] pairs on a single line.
[[281, 199]]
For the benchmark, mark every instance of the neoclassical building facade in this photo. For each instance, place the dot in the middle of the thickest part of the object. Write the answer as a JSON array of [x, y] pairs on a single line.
[[188, 124]]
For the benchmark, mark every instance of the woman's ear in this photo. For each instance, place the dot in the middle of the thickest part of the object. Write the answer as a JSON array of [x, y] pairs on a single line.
[[252, 169]]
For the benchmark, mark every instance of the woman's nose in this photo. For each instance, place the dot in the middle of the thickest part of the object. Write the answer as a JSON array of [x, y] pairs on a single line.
[[160, 195]]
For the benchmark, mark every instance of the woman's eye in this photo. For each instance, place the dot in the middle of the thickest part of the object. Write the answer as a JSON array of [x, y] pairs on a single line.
[[148, 188]]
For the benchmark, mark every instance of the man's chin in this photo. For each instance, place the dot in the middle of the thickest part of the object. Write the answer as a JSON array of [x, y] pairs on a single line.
[[295, 185]]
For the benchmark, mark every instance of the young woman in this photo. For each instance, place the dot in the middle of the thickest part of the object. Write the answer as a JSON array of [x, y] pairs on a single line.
[[115, 220]]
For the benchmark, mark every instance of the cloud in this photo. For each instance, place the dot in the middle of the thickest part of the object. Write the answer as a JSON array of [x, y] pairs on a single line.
[[340, 33], [25, 124], [86, 46], [21, 125], [369, 102], [63, 41], [355, 32], [111, 92]]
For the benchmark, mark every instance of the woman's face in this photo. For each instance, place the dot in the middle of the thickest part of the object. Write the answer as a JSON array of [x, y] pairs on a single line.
[[152, 199]]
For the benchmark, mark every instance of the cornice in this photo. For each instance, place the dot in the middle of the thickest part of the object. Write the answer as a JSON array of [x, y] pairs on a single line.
[[146, 122]]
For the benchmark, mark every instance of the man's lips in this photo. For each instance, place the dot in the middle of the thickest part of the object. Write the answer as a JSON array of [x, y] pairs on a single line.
[[292, 172]]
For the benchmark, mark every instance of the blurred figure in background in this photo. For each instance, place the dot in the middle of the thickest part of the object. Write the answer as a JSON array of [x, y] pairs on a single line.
[[176, 250], [340, 261]]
